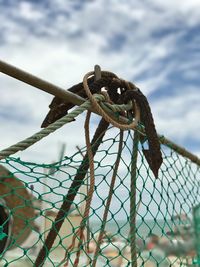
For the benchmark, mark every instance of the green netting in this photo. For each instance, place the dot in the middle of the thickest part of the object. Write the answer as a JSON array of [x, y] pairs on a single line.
[[196, 218], [32, 193]]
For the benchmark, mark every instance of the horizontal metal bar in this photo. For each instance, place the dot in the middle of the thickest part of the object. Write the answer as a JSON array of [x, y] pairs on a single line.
[[47, 87], [39, 83], [180, 150], [52, 89]]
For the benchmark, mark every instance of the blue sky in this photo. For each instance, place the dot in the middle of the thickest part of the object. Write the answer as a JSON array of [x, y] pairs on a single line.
[[151, 43]]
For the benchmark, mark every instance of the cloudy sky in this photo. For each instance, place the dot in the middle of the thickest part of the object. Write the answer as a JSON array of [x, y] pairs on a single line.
[[154, 44]]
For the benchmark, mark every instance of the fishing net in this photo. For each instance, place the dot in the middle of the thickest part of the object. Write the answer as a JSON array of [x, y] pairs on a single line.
[[112, 202], [163, 233]]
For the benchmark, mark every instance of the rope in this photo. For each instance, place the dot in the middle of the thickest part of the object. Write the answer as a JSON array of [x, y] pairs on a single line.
[[133, 200], [68, 96], [44, 132], [69, 198], [99, 109], [104, 220], [180, 150], [91, 189], [117, 108], [26, 143], [80, 232], [128, 239]]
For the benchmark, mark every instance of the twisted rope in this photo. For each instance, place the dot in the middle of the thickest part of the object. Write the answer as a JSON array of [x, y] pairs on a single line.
[[91, 188], [108, 202], [180, 150], [133, 200], [117, 108], [80, 232], [22, 145], [68, 96], [100, 110], [71, 194]]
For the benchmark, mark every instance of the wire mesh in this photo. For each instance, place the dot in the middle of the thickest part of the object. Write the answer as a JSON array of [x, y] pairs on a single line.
[[32, 193]]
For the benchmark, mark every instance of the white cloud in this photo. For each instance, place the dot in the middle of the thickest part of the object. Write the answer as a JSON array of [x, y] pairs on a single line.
[[177, 117], [27, 11]]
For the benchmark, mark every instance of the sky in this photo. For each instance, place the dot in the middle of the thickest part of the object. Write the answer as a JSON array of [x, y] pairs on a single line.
[[154, 44], [151, 43]]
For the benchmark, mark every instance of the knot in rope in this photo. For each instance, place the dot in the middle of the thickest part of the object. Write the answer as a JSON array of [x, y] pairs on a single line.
[[108, 117]]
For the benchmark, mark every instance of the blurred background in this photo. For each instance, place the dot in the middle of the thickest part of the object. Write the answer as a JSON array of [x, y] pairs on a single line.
[[155, 44]]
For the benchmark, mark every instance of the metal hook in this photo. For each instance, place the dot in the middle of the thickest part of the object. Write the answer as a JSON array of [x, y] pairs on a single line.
[[97, 72]]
